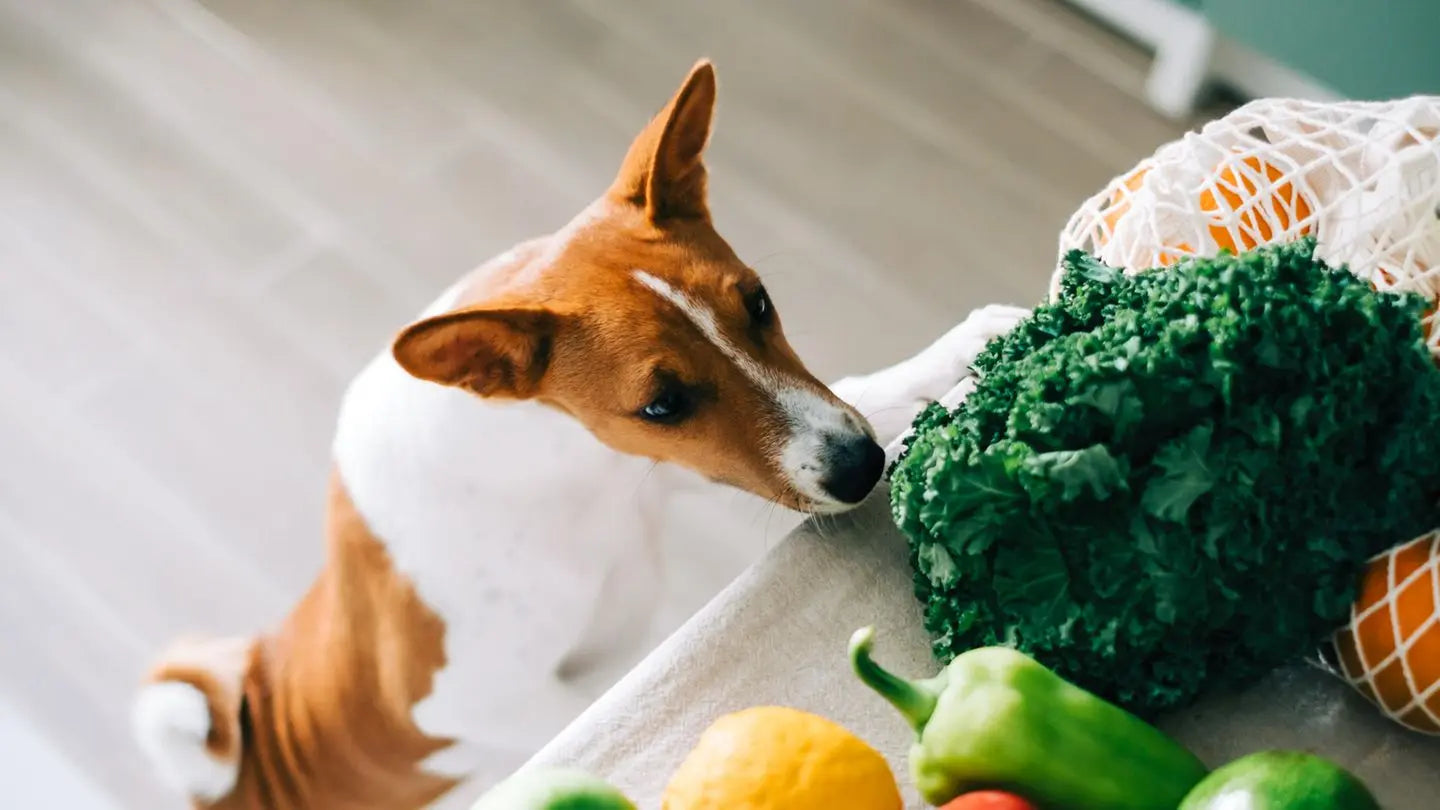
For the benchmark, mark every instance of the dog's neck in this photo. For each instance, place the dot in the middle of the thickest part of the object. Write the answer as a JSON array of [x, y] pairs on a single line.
[[469, 498], [441, 506]]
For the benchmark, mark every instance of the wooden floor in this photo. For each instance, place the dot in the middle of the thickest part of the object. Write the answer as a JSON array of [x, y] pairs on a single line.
[[212, 212]]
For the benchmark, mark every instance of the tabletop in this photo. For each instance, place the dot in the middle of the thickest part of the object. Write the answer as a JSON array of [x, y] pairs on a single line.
[[778, 636]]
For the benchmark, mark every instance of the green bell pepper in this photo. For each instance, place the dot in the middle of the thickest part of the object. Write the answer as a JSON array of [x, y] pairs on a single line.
[[996, 718], [537, 788]]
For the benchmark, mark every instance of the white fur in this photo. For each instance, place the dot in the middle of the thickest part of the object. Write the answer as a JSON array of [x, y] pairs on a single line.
[[532, 541], [814, 422], [891, 398], [703, 317], [171, 721], [813, 419]]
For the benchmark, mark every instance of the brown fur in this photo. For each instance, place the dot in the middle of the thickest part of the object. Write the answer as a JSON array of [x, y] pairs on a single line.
[[324, 705], [526, 334], [319, 712]]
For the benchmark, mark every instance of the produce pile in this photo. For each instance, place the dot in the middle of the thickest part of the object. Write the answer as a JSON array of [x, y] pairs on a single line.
[[995, 730], [762, 758], [1170, 482], [1362, 177], [1162, 483]]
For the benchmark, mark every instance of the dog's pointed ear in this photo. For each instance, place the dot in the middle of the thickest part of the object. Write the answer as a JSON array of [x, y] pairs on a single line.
[[664, 172], [494, 353]]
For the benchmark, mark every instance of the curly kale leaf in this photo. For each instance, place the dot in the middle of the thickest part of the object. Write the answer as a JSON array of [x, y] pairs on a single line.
[[1168, 482]]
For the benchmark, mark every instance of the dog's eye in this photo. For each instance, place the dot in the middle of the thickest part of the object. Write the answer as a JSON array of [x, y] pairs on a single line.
[[671, 406], [761, 310]]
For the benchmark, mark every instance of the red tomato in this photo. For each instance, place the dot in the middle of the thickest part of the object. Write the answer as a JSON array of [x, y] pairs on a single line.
[[988, 800]]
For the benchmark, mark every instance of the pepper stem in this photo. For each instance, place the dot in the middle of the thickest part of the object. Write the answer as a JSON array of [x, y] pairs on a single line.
[[915, 700]]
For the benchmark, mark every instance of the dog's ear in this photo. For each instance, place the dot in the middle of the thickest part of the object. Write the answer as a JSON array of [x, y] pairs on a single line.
[[663, 172], [494, 353]]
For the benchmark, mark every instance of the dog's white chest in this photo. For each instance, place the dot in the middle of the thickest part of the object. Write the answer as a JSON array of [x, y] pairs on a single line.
[[507, 519]]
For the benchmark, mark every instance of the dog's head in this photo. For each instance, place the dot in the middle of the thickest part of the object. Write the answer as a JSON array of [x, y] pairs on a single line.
[[639, 320]]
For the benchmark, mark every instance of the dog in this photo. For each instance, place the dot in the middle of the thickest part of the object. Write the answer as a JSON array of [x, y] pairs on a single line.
[[489, 540]]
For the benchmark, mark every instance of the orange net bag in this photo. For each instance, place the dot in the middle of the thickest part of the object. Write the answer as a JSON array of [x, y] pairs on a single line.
[[1390, 650], [1362, 177]]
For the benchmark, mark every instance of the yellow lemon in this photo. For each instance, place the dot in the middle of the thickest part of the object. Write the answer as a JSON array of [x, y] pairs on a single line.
[[774, 758]]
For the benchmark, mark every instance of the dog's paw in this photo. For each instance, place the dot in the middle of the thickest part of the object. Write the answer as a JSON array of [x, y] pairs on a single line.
[[941, 367], [942, 372]]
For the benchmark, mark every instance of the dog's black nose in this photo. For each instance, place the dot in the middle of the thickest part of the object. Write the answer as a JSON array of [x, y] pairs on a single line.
[[856, 464]]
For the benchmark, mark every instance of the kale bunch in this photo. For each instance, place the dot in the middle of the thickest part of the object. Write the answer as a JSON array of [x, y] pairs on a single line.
[[1169, 482]]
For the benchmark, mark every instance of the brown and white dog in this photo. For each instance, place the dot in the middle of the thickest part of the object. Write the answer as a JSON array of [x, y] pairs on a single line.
[[488, 536]]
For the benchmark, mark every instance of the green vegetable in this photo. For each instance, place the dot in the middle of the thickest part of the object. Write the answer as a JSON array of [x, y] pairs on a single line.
[[997, 718], [1280, 780], [536, 788], [1170, 482]]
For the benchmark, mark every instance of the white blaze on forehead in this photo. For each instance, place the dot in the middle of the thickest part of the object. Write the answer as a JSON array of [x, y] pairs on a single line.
[[814, 420], [704, 319]]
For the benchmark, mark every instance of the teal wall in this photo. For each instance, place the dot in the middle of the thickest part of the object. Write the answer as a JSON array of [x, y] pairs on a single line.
[[1368, 50]]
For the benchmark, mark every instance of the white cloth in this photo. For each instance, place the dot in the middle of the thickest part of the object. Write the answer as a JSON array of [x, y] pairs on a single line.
[[778, 635]]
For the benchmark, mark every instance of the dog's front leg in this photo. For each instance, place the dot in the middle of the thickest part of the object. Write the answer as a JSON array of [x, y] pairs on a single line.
[[891, 398]]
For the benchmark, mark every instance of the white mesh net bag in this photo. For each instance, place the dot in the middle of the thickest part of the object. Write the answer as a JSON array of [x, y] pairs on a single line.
[[1390, 650], [1362, 177]]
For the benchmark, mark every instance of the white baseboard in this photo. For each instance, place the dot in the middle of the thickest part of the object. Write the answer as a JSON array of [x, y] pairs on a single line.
[[1259, 76], [1146, 21], [1189, 54]]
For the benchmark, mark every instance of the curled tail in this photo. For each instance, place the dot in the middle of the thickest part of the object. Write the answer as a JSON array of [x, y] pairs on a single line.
[[186, 716]]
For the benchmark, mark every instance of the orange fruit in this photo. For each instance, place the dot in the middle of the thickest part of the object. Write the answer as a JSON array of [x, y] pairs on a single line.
[[1119, 201], [774, 758], [1169, 256], [1119, 204], [1257, 217], [1390, 650]]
